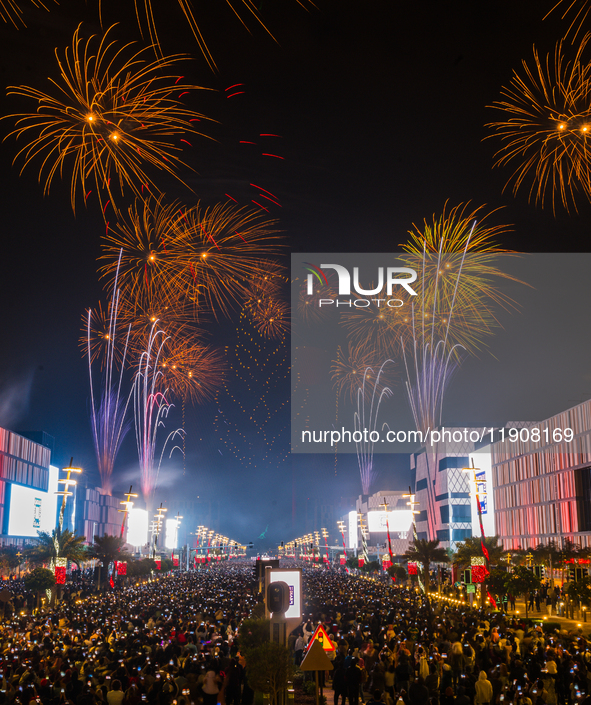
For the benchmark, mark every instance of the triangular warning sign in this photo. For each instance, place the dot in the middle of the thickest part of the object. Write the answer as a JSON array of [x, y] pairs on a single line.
[[321, 636], [315, 659]]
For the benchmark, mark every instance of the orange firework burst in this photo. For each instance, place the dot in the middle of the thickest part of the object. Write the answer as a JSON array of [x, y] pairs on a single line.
[[149, 265], [457, 260], [110, 122], [270, 317], [546, 126], [350, 368], [140, 313], [190, 370], [220, 251], [308, 307], [243, 10]]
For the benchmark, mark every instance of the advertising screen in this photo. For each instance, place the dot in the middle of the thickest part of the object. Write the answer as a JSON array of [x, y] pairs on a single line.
[[352, 543], [172, 533], [293, 578], [137, 527], [481, 485], [32, 510], [399, 521]]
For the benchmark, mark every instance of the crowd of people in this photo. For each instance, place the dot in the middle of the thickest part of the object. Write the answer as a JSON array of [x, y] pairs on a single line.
[[175, 641]]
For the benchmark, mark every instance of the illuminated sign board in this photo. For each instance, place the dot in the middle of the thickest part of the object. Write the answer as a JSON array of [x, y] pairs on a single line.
[[293, 579], [481, 484], [399, 521], [137, 527], [172, 534], [352, 543], [32, 510]]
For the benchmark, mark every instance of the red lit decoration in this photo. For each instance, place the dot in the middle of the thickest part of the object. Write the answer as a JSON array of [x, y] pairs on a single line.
[[121, 567], [361, 561], [342, 560], [175, 561], [60, 575], [478, 573], [158, 563], [412, 569]]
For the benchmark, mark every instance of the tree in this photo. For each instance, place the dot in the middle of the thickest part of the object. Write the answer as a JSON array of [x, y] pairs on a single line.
[[253, 633], [472, 548], [10, 558], [497, 580], [107, 549], [68, 546], [424, 553], [269, 667], [398, 572], [38, 581], [522, 582]]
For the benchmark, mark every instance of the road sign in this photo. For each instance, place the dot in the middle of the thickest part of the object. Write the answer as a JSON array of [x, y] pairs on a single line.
[[316, 659], [471, 588], [321, 636]]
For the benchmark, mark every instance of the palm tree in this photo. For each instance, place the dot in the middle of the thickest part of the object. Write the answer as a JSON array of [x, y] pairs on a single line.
[[50, 546], [472, 548], [424, 553], [107, 549]]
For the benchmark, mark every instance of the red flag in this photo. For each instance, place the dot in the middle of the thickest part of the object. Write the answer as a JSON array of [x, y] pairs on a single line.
[[112, 584], [492, 601]]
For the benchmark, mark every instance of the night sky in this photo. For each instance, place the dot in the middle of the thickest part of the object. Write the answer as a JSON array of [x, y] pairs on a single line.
[[380, 108]]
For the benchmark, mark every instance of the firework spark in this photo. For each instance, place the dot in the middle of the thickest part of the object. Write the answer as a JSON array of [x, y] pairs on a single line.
[[11, 12], [578, 9], [109, 122], [546, 126], [243, 10]]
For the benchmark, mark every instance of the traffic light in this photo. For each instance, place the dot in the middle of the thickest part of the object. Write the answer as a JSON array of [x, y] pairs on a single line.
[[580, 573], [539, 571]]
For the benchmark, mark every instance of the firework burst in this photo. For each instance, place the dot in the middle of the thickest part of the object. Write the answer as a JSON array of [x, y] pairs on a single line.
[[459, 242], [546, 126], [190, 371], [353, 370], [109, 122]]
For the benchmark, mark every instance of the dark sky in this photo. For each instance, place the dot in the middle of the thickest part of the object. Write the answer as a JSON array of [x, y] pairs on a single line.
[[380, 107]]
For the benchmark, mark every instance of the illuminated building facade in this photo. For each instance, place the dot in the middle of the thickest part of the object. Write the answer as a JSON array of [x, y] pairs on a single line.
[[442, 491], [542, 482], [25, 466]]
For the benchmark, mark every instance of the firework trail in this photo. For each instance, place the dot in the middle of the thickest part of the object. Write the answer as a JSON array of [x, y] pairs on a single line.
[[427, 376], [365, 421], [150, 410], [108, 423]]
